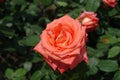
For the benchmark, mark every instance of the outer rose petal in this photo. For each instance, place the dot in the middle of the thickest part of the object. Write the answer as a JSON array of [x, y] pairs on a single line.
[[54, 65], [63, 67], [70, 58], [63, 43], [64, 20], [40, 49], [80, 58]]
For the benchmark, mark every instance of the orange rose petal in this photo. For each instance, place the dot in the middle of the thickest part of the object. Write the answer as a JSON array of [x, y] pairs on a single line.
[[77, 32], [84, 54], [63, 67], [52, 25], [40, 49], [77, 60], [45, 42], [45, 52], [85, 57], [66, 20], [67, 52], [53, 65], [68, 59]]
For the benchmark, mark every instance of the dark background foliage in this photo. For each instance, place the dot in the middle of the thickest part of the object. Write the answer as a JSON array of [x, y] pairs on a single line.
[[22, 21]]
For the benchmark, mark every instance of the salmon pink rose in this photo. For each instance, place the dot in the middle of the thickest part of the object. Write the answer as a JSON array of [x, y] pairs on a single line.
[[111, 3], [89, 20], [63, 44]]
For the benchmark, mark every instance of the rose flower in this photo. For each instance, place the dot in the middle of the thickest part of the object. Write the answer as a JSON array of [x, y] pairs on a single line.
[[89, 20], [111, 3], [63, 44]]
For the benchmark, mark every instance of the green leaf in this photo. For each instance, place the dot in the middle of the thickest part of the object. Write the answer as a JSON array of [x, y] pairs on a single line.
[[92, 66], [37, 75], [36, 29], [92, 70], [91, 51], [20, 72], [7, 19], [30, 40], [32, 9], [117, 16], [109, 39], [46, 2], [101, 49], [92, 5], [27, 66], [19, 78], [37, 58], [7, 32], [9, 24], [74, 5], [113, 12], [9, 49], [76, 12], [19, 2], [114, 51], [31, 29], [116, 76], [61, 3], [36, 1], [108, 65], [113, 31], [53, 75], [93, 61], [9, 73], [47, 77]]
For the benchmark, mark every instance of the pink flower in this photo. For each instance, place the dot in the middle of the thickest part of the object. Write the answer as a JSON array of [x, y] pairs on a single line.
[[111, 3], [89, 20], [63, 44]]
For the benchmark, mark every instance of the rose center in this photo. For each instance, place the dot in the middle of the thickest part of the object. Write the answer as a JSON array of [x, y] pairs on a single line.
[[60, 37]]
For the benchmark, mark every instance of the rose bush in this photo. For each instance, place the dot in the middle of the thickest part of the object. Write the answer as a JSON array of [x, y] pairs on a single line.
[[111, 3], [63, 43], [22, 22]]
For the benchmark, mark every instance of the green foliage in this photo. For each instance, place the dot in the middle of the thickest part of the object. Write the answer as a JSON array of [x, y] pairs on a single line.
[[27, 66], [18, 74], [37, 75], [93, 62], [22, 22], [29, 41], [108, 65], [117, 76], [92, 5], [9, 73], [114, 51]]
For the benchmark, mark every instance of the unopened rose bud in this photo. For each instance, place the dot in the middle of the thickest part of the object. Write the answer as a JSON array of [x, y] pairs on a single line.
[[111, 3], [89, 20]]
